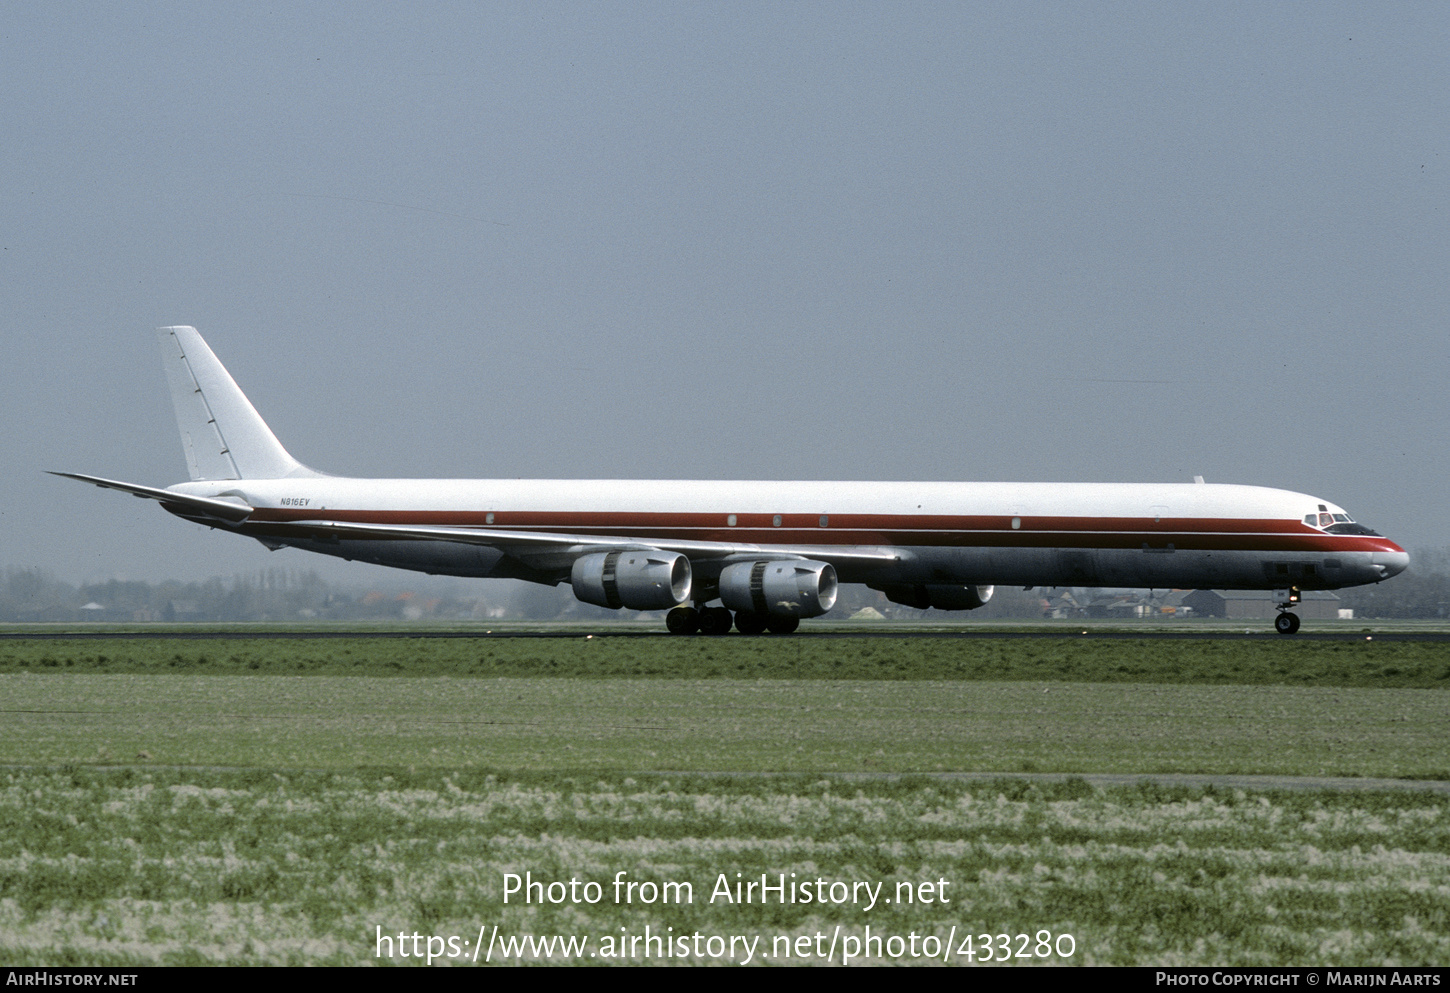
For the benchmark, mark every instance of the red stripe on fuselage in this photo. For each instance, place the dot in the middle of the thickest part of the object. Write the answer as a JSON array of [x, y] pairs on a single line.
[[1185, 534]]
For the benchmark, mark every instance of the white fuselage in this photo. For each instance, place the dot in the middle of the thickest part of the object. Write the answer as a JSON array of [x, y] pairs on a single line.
[[1029, 534]]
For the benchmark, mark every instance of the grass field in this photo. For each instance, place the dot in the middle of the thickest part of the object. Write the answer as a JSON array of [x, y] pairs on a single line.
[[621, 725], [1360, 663], [165, 866], [273, 801]]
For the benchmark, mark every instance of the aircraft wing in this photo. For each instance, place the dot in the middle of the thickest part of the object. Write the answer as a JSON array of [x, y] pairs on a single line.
[[541, 541], [230, 511]]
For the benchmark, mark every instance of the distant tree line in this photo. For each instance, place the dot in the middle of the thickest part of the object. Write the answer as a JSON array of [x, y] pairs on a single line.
[[30, 595], [278, 595]]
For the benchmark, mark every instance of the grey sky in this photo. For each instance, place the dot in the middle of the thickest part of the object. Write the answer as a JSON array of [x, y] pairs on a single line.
[[885, 241]]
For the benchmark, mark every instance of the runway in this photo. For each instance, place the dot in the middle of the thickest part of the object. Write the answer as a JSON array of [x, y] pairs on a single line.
[[809, 633]]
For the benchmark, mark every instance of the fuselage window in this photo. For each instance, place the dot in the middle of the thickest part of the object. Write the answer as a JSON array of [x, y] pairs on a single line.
[[825, 521], [1312, 520], [775, 521], [1325, 520], [730, 520]]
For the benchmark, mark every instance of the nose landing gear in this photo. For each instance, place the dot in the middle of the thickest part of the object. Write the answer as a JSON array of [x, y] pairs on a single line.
[[1287, 622]]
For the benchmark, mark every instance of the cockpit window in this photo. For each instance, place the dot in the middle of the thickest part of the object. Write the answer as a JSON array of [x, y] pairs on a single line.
[[1337, 524], [1351, 528]]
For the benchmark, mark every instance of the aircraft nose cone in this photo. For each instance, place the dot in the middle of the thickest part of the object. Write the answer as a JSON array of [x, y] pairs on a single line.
[[1390, 563]]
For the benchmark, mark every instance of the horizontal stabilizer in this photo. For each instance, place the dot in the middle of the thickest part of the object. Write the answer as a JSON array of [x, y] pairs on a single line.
[[232, 512]]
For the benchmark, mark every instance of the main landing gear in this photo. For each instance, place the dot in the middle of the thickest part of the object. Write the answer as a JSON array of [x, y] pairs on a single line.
[[1287, 622], [717, 620]]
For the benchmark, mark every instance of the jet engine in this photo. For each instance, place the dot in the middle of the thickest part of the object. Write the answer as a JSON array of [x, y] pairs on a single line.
[[785, 588], [639, 580], [940, 596]]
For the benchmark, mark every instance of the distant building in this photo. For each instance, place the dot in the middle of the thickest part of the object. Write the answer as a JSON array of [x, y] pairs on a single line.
[[1141, 604], [1259, 604], [181, 611], [54, 614], [1062, 606], [1120, 607]]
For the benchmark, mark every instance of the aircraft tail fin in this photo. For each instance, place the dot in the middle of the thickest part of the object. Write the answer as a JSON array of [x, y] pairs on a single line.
[[221, 432]]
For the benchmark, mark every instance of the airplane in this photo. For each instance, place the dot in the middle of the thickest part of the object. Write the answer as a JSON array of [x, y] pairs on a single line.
[[771, 553]]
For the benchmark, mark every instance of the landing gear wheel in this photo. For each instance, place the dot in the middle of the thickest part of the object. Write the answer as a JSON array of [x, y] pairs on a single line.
[[715, 620], [1286, 623], [683, 620], [783, 624], [749, 622]]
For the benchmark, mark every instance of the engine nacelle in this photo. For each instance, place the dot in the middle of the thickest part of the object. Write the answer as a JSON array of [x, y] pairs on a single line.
[[639, 580], [940, 596], [785, 588]]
